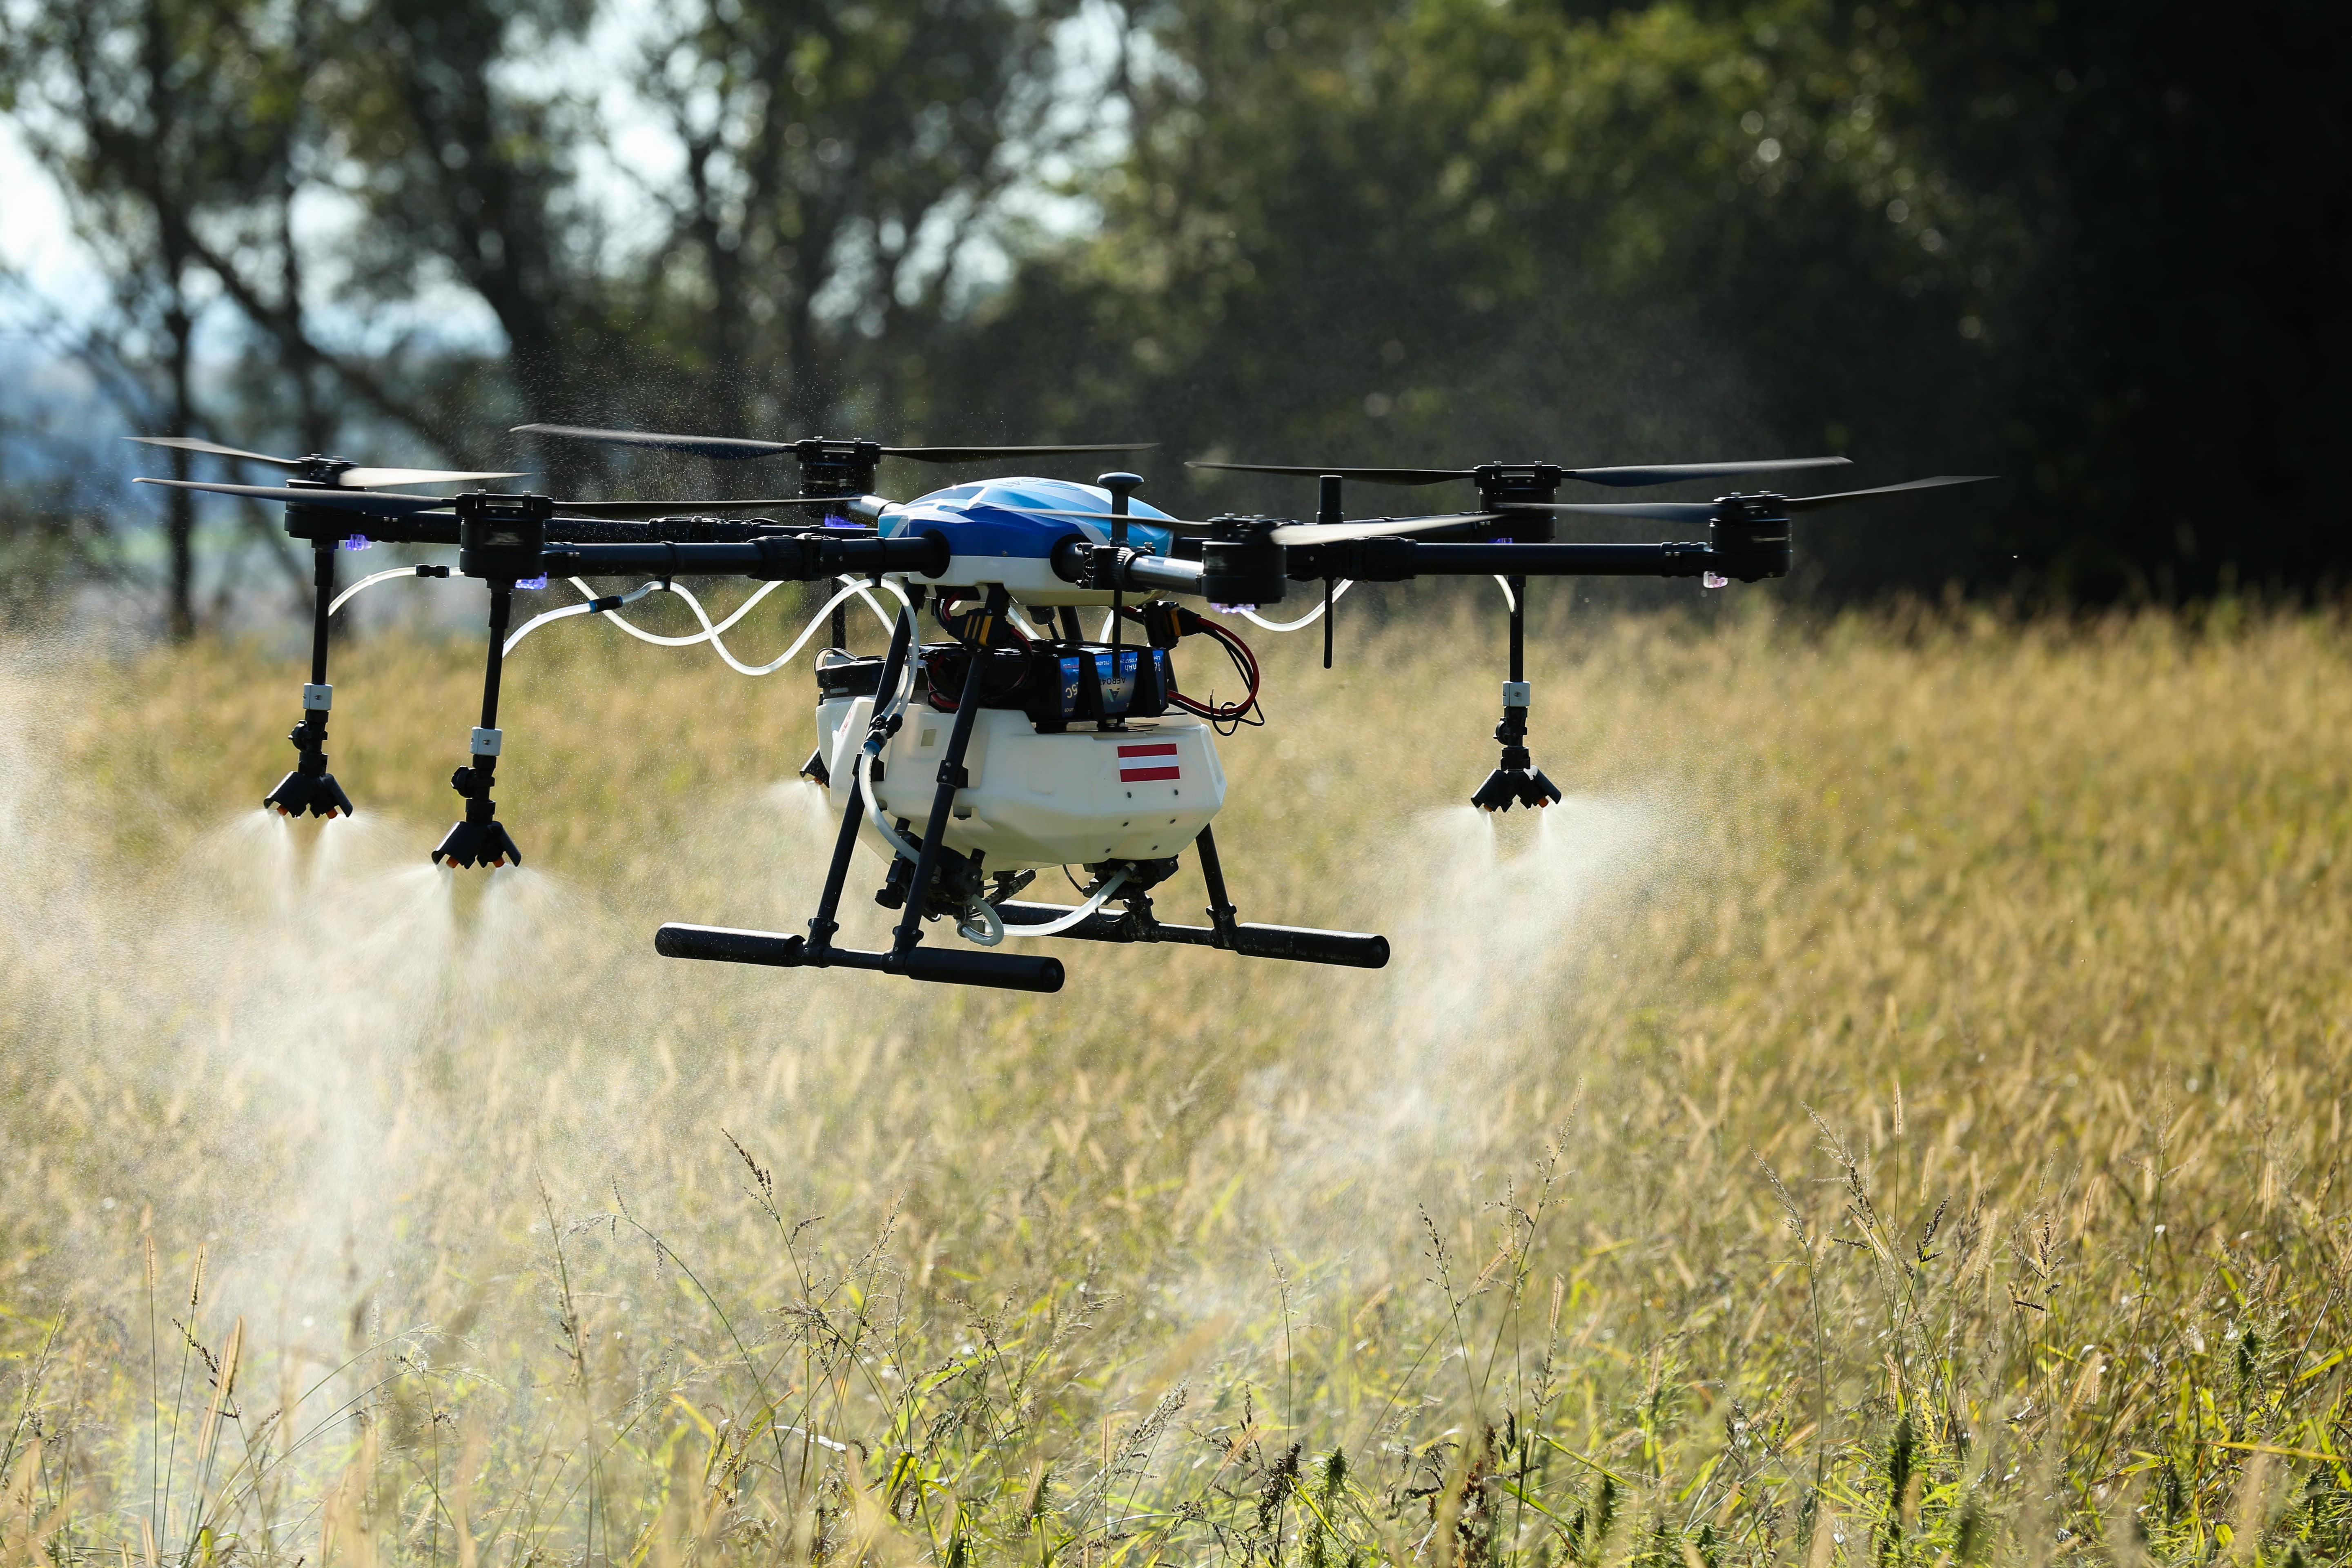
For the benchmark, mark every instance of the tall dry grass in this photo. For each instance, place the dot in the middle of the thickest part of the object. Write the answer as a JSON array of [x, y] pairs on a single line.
[[1890, 1113]]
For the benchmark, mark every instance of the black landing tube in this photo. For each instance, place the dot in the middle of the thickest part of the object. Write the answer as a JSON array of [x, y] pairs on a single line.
[[941, 965]]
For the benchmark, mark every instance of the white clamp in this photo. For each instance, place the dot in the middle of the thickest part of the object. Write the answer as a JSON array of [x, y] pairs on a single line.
[[486, 741], [316, 699], [1514, 693]]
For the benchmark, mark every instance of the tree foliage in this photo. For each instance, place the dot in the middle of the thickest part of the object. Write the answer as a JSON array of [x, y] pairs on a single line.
[[2084, 247]]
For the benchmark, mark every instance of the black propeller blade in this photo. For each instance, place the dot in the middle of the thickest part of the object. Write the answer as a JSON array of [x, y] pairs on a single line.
[[990, 454], [1369, 476], [354, 479], [376, 505], [1808, 503], [368, 503], [645, 508], [1307, 533], [1646, 474], [732, 447], [1375, 528], [727, 448], [1705, 511]]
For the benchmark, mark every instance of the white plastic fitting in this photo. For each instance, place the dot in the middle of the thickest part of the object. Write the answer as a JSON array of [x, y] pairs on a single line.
[[1514, 693], [486, 741], [316, 699]]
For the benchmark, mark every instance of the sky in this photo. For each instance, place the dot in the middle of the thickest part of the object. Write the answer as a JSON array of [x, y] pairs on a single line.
[[37, 242]]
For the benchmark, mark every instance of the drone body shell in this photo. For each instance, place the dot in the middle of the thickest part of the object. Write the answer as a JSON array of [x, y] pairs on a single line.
[[996, 537], [1035, 800]]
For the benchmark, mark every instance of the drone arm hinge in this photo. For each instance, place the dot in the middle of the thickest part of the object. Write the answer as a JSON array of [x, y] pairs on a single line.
[[1355, 560], [1116, 569]]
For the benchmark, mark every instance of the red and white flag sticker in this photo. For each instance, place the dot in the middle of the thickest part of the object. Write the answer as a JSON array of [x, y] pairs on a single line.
[[1148, 760]]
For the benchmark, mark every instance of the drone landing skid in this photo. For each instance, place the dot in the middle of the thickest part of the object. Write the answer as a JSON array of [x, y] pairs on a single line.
[[1020, 970], [1303, 944], [1024, 972], [944, 965]]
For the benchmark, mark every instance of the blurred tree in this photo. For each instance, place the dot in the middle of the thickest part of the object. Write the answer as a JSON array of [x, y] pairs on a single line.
[[2030, 240], [836, 167], [148, 111], [843, 166], [2085, 247]]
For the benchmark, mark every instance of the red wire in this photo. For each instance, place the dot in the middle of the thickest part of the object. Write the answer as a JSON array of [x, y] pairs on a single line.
[[1227, 712]]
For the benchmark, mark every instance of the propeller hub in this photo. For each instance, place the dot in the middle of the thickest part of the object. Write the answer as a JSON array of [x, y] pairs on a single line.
[[1502, 485], [1241, 563], [831, 466], [1749, 537]]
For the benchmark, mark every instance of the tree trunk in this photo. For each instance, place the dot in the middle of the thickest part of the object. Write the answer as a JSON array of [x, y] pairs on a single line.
[[180, 512]]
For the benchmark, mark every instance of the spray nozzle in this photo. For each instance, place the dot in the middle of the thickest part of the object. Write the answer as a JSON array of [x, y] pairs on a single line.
[[1518, 781], [483, 842], [480, 839], [309, 790], [310, 787]]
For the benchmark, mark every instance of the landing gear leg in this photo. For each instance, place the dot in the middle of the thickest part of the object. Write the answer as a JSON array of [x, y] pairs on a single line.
[[836, 875], [952, 778], [1221, 904]]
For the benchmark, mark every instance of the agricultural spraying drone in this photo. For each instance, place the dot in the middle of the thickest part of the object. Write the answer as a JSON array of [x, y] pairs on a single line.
[[1018, 742]]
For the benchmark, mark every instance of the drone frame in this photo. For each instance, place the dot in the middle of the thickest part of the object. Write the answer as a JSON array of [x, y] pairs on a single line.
[[504, 539]]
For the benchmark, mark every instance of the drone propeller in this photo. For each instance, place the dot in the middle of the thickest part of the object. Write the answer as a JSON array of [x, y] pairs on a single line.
[[366, 502], [377, 505], [1650, 474], [1808, 503], [347, 478], [735, 447], [1304, 533], [1374, 527], [646, 509], [1705, 511]]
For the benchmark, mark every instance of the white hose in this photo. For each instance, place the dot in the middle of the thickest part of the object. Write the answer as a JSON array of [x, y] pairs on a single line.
[[1308, 619], [709, 632], [345, 598], [882, 712], [712, 634], [1509, 598], [532, 624], [874, 812], [1055, 928]]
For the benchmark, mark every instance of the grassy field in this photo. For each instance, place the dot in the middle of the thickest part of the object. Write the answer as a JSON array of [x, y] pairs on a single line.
[[1892, 1112]]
